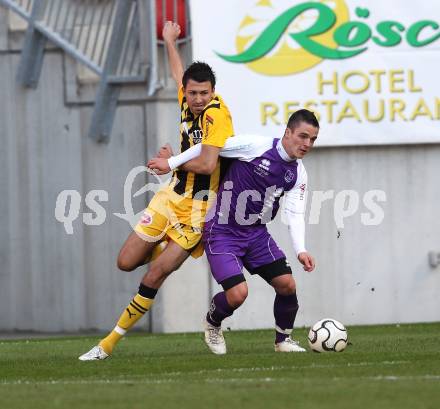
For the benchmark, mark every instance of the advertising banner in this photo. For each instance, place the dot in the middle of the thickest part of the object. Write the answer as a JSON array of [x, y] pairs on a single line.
[[370, 70]]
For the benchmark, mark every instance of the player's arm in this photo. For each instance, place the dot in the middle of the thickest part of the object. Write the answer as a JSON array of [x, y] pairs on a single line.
[[217, 128], [170, 33], [205, 163], [294, 210], [240, 147], [162, 165]]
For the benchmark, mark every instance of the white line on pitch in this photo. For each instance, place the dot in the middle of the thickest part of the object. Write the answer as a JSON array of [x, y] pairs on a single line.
[[211, 380]]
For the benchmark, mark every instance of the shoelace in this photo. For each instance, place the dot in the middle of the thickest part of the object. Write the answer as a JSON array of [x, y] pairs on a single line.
[[214, 335]]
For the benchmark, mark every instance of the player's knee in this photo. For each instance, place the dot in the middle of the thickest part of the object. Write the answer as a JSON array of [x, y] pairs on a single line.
[[124, 263], [290, 287], [124, 266], [286, 287], [237, 295]]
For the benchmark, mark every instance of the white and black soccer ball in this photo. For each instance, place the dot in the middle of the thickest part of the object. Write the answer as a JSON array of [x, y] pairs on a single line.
[[328, 335]]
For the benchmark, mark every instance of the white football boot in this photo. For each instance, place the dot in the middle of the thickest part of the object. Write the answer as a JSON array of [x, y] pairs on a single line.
[[214, 339], [97, 353], [288, 345]]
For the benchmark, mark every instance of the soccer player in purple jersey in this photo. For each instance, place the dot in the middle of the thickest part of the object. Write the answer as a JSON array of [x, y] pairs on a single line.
[[235, 233]]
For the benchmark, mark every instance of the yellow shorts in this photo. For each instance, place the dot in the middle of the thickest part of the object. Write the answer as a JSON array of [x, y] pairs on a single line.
[[170, 216]]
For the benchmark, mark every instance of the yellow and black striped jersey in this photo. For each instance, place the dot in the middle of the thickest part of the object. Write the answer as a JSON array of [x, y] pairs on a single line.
[[212, 127]]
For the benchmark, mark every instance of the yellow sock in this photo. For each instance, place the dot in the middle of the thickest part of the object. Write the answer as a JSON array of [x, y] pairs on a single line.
[[110, 341], [133, 313]]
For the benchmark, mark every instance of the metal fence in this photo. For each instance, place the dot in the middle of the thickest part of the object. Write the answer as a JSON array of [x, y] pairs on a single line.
[[24, 6], [119, 40], [84, 28]]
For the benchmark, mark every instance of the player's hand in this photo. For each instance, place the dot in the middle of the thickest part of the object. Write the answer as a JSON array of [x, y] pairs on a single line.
[[159, 165], [307, 261], [165, 151], [171, 31]]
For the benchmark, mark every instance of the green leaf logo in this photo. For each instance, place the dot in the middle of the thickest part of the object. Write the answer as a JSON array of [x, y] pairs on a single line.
[[289, 40]]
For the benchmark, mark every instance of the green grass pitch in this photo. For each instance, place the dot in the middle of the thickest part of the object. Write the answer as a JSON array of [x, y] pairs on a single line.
[[387, 366]]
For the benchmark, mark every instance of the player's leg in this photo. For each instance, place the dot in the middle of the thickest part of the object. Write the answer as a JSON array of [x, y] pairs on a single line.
[[267, 260], [170, 259], [224, 256], [285, 309], [181, 240], [135, 310], [222, 306], [225, 302], [159, 269], [144, 243], [135, 252]]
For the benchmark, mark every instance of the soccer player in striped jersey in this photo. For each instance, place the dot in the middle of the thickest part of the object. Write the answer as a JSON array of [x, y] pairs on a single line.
[[235, 234], [175, 215]]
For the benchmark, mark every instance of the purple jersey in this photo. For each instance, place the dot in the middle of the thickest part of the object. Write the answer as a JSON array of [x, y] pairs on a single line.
[[249, 195], [250, 192]]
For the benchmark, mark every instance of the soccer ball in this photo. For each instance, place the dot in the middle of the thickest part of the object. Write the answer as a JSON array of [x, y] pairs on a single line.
[[327, 335]]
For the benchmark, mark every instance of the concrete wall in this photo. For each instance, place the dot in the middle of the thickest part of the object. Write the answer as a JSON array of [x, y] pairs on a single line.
[[49, 280], [52, 281], [365, 274]]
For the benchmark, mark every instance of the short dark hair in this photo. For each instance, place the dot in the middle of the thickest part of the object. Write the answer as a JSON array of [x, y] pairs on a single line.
[[302, 115], [200, 72]]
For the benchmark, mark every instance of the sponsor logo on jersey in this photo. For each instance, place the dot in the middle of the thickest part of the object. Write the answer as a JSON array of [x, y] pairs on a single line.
[[263, 168], [197, 136], [146, 219], [289, 176], [302, 187], [265, 163]]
